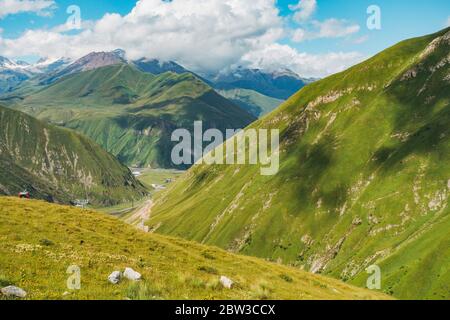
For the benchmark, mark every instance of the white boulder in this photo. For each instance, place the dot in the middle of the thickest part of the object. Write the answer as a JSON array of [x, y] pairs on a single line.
[[115, 277], [130, 274], [12, 291], [226, 282]]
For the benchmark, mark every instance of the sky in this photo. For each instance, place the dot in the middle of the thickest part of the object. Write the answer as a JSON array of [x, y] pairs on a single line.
[[314, 38]]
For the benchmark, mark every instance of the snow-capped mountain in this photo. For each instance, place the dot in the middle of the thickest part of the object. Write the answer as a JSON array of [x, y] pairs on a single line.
[[46, 65], [5, 63], [13, 73]]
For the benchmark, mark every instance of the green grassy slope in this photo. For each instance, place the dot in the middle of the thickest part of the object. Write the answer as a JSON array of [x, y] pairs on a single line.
[[131, 113], [39, 241], [58, 164], [364, 178], [254, 102]]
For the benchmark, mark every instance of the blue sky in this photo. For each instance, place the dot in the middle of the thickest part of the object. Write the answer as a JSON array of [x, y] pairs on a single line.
[[332, 30], [401, 19]]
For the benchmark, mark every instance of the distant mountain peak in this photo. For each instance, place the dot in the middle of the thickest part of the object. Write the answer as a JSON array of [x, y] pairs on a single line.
[[120, 53], [91, 61], [157, 66], [279, 84], [96, 60], [7, 63]]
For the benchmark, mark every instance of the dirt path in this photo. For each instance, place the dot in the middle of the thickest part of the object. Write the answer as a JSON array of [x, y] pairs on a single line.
[[140, 216]]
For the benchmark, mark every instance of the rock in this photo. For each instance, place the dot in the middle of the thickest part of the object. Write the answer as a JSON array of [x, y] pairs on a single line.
[[66, 293], [226, 282], [12, 291], [357, 221], [115, 277], [131, 274]]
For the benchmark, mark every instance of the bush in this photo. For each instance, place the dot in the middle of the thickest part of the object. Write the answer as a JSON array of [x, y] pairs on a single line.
[[206, 255], [209, 270], [4, 282], [286, 278], [46, 242], [142, 291], [261, 292]]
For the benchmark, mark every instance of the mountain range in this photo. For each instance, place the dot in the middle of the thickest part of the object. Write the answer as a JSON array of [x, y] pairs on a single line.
[[363, 180], [130, 113], [14, 73], [255, 90]]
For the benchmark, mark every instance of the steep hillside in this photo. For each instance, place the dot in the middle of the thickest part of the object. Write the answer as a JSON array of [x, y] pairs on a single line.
[[59, 165], [39, 241], [364, 178], [130, 113]]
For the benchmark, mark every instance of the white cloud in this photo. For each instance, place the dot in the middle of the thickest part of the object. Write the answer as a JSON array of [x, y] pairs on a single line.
[[334, 28], [447, 23], [303, 10], [361, 39], [330, 28], [277, 56], [41, 7], [202, 35]]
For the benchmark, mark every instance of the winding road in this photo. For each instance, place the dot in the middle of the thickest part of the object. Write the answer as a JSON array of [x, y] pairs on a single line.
[[141, 215]]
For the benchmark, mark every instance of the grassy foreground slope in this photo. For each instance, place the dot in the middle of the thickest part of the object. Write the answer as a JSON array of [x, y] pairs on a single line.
[[364, 178], [39, 241], [58, 164], [130, 113]]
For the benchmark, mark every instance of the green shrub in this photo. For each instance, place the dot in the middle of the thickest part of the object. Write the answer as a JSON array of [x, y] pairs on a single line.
[[286, 278], [46, 242], [209, 270], [142, 291]]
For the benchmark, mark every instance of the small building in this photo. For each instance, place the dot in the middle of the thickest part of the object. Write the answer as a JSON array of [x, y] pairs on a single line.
[[24, 195], [158, 187], [136, 173], [80, 203]]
